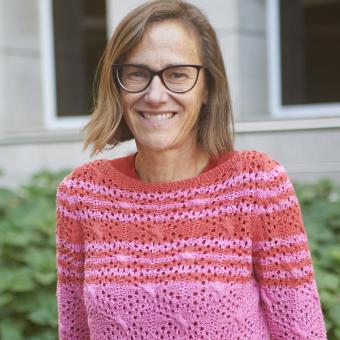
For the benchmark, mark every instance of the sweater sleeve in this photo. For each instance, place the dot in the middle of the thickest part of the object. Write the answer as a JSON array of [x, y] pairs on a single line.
[[282, 260], [72, 318]]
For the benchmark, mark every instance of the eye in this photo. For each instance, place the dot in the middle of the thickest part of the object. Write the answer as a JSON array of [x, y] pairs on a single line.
[[134, 73], [179, 74], [137, 74], [175, 75]]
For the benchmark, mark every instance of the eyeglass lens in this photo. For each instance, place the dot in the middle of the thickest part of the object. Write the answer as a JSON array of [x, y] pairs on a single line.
[[135, 78]]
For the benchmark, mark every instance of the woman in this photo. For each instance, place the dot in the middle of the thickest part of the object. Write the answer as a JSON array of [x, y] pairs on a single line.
[[187, 238]]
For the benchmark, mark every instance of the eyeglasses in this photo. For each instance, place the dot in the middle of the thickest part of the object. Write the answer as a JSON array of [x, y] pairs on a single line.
[[136, 78]]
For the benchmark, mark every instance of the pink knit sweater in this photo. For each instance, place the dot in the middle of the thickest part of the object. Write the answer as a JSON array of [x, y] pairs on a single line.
[[222, 255]]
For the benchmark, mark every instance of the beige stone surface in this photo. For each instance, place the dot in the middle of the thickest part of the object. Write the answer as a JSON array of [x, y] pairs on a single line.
[[28, 145]]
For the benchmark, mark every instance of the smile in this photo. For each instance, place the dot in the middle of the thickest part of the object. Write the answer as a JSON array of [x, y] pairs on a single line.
[[154, 116]]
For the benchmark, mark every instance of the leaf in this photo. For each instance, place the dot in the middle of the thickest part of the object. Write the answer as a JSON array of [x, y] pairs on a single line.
[[334, 222], [45, 311], [320, 207], [23, 303], [45, 278], [5, 299], [40, 317], [7, 197], [15, 239], [336, 333], [21, 280], [334, 312], [328, 281], [44, 335], [27, 259], [335, 254], [11, 330], [41, 260], [325, 296]]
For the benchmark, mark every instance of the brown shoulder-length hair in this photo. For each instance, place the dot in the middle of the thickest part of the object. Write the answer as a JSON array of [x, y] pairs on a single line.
[[107, 127]]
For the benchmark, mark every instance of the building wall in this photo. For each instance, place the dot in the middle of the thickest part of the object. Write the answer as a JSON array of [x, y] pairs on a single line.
[[304, 147], [20, 66]]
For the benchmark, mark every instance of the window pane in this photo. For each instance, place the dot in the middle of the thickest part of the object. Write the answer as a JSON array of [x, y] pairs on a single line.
[[79, 40], [310, 51]]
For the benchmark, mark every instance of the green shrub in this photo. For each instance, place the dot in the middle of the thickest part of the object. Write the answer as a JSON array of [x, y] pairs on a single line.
[[320, 205], [27, 260], [27, 255]]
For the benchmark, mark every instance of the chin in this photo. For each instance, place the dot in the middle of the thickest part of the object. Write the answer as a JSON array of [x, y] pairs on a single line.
[[155, 145]]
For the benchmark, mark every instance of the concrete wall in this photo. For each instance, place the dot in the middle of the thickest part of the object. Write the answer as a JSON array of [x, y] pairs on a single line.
[[27, 145], [307, 155], [25, 155], [20, 66], [241, 30]]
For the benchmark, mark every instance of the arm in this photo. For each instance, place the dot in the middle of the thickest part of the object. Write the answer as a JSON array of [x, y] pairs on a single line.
[[72, 318], [282, 261]]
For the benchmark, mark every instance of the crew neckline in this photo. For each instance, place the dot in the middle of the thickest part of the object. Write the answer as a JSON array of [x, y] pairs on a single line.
[[113, 170], [131, 171]]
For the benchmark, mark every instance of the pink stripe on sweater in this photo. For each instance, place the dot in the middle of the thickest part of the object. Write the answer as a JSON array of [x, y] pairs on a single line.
[[192, 215], [279, 242], [261, 193], [70, 273], [294, 273], [69, 259], [217, 286], [246, 259], [181, 269], [242, 178], [74, 247], [166, 259], [167, 246], [282, 258]]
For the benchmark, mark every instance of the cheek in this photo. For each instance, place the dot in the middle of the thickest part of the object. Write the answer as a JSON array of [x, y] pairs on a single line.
[[126, 101], [197, 101]]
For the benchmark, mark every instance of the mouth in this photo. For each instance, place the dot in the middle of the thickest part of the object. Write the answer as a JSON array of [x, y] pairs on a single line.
[[157, 116]]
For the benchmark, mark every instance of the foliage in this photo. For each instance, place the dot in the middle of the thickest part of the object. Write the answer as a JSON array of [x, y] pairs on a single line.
[[27, 255], [320, 205], [27, 259]]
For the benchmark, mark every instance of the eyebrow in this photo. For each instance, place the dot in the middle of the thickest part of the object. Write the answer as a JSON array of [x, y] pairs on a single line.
[[152, 69]]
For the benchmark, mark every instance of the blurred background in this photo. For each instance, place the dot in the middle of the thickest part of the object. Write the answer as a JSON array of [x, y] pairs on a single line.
[[282, 59]]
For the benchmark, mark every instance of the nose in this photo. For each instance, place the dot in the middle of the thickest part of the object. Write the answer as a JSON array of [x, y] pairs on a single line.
[[156, 92]]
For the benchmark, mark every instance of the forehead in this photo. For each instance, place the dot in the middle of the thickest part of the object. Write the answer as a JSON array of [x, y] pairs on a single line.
[[168, 41]]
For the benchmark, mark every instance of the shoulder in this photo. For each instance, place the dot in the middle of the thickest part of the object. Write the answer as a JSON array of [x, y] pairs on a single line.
[[254, 167], [88, 172], [253, 160], [261, 171]]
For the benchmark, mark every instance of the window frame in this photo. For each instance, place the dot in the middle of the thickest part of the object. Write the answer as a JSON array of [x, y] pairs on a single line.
[[51, 119], [302, 117], [275, 91]]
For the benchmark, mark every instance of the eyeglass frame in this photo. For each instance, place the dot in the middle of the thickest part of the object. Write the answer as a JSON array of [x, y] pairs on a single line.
[[159, 73]]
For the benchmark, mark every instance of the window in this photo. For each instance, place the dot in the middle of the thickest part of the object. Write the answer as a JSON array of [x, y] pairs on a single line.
[[79, 40], [74, 38], [305, 54]]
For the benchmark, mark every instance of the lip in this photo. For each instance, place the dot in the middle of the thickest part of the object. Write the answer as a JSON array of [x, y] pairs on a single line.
[[156, 122], [156, 112]]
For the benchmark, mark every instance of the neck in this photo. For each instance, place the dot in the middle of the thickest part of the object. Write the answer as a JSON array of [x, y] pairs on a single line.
[[170, 165]]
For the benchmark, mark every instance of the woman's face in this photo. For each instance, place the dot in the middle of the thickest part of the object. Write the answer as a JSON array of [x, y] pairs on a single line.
[[158, 118]]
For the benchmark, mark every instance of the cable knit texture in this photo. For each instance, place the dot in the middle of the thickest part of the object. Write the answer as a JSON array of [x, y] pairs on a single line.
[[222, 255]]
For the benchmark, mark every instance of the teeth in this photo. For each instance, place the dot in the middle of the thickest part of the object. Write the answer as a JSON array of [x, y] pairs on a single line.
[[158, 116]]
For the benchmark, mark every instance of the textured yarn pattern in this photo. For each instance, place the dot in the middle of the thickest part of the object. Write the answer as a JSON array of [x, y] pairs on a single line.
[[222, 255]]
